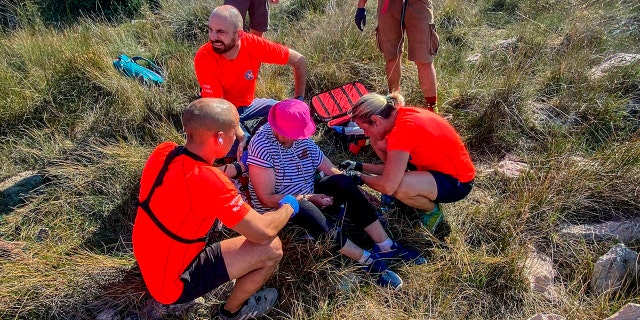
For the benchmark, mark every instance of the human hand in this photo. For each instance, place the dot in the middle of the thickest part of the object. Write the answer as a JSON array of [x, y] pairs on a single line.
[[291, 201], [242, 143], [350, 165], [361, 18], [243, 161], [320, 200], [355, 176]]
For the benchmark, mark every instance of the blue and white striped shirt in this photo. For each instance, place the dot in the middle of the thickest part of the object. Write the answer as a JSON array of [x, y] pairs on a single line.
[[294, 167]]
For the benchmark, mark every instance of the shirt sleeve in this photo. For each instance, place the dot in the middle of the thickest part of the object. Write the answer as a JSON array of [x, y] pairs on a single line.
[[272, 52], [259, 151], [210, 86]]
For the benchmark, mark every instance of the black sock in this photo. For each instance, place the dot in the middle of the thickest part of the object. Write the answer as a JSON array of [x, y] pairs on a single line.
[[226, 313]]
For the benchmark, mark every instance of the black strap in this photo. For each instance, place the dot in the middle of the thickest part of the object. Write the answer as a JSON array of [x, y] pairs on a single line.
[[163, 171]]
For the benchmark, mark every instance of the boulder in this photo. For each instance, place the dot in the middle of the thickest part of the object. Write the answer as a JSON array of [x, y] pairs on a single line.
[[15, 188], [624, 231], [613, 61], [538, 269], [614, 270], [511, 168], [630, 311], [473, 58]]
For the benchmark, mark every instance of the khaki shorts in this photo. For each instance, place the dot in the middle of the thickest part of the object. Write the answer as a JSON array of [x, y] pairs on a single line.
[[423, 40]]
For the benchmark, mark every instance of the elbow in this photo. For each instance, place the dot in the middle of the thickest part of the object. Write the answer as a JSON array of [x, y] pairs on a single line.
[[264, 237], [387, 189]]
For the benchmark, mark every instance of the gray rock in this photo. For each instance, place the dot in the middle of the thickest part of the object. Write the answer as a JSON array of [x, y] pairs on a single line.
[[546, 316], [614, 269], [613, 61], [15, 188], [631, 311], [506, 44], [623, 231], [511, 168], [473, 58], [538, 269]]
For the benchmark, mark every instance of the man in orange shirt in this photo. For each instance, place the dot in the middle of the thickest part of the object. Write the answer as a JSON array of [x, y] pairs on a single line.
[[411, 137], [181, 196], [228, 66]]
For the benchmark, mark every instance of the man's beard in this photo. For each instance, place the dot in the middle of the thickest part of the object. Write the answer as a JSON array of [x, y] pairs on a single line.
[[226, 46]]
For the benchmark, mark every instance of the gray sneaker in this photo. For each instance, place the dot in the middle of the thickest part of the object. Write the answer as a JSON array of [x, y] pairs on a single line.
[[256, 306]]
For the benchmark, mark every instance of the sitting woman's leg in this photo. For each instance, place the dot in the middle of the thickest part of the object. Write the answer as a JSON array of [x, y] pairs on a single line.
[[362, 214], [358, 209]]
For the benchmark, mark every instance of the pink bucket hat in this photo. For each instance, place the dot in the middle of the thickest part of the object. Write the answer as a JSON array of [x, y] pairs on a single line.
[[291, 118]]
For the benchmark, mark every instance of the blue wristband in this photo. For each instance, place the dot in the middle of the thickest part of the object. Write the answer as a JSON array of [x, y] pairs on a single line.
[[290, 200]]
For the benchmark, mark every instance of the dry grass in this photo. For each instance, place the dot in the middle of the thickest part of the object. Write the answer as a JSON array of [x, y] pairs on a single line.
[[65, 112]]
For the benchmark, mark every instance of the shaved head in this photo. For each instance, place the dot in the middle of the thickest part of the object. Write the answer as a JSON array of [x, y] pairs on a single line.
[[208, 116], [228, 15]]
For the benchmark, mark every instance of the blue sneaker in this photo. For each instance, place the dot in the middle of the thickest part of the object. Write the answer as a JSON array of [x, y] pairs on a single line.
[[399, 252], [386, 277]]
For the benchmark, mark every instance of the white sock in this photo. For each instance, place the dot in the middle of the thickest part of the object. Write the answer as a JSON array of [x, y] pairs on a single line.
[[385, 246], [365, 256]]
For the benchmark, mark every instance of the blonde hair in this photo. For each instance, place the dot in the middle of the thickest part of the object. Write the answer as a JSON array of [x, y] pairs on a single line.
[[376, 104]]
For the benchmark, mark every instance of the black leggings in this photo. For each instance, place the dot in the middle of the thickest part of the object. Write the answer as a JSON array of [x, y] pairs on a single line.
[[358, 210]]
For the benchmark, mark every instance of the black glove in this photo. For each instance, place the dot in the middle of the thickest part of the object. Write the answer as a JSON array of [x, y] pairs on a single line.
[[361, 18], [355, 176], [351, 165]]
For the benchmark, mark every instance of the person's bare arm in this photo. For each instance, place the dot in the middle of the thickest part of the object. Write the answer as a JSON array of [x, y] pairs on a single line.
[[392, 174], [328, 168], [264, 184], [299, 64], [263, 228]]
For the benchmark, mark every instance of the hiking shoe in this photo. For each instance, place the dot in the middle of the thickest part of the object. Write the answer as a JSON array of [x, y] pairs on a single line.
[[390, 279], [397, 251], [431, 220], [386, 277], [256, 306]]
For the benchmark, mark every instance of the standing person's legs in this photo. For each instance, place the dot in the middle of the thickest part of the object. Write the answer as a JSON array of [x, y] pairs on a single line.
[[241, 5], [389, 37], [427, 79], [251, 264], [423, 44], [393, 70], [258, 17]]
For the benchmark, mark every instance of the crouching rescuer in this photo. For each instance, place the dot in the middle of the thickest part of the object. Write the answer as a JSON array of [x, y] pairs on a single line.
[[181, 196]]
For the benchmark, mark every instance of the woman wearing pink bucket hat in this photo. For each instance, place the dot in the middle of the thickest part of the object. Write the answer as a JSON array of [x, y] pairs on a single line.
[[284, 160]]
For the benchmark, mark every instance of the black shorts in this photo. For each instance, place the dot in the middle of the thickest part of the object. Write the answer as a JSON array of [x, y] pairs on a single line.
[[206, 272], [449, 188]]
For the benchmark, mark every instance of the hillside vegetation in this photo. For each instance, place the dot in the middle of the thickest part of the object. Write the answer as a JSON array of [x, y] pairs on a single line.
[[67, 114]]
